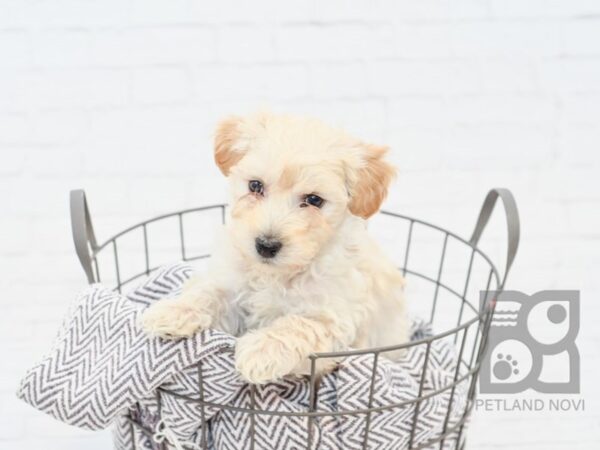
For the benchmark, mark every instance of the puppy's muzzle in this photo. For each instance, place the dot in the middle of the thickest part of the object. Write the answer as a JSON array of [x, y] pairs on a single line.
[[267, 247]]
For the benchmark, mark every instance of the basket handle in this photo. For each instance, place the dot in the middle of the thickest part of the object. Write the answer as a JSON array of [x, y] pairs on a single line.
[[512, 223], [83, 232]]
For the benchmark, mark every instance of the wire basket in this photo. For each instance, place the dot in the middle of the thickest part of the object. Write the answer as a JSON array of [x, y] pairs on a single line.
[[428, 254]]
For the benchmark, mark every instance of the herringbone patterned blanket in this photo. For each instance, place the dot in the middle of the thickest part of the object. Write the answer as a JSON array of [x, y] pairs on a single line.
[[103, 369]]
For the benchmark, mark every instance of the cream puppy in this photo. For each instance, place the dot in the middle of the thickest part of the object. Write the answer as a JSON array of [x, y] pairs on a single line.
[[295, 272]]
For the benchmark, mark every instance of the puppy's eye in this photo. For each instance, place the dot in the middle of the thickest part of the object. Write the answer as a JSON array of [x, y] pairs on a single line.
[[313, 200], [256, 186]]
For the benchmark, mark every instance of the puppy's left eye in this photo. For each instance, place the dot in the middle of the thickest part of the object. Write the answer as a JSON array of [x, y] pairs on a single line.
[[256, 187], [313, 200]]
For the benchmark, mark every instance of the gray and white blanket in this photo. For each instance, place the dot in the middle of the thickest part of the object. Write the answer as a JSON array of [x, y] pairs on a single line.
[[103, 369]]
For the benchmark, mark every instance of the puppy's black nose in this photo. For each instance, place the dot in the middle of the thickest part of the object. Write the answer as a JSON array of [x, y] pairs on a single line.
[[267, 247]]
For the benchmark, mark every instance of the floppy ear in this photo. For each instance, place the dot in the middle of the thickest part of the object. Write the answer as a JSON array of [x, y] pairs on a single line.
[[227, 139], [372, 181]]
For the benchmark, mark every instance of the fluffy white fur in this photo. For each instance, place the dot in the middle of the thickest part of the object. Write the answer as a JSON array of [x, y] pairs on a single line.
[[330, 287]]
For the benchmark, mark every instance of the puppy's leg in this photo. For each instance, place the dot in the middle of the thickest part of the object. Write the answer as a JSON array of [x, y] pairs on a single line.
[[282, 348], [198, 307]]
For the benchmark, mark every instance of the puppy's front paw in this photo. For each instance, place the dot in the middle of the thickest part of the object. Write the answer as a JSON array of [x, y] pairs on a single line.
[[174, 318], [260, 358]]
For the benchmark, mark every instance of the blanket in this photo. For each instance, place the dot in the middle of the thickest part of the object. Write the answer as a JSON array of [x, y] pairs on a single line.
[[103, 369]]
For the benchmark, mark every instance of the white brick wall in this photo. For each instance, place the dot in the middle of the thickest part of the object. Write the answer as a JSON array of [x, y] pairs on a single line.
[[120, 97]]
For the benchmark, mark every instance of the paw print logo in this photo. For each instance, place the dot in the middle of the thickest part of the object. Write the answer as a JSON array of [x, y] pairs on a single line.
[[532, 343], [505, 367], [510, 362]]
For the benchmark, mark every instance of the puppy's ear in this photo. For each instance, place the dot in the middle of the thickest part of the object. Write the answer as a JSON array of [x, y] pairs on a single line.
[[227, 144], [372, 181]]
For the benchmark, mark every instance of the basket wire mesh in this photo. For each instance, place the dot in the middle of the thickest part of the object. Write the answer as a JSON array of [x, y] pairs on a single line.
[[468, 334]]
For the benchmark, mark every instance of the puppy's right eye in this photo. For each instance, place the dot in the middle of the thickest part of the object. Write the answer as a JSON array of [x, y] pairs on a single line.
[[256, 187]]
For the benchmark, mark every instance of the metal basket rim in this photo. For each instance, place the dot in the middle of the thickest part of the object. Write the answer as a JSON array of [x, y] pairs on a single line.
[[223, 206]]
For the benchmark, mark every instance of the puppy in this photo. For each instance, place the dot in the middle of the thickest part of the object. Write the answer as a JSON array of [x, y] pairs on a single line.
[[295, 272]]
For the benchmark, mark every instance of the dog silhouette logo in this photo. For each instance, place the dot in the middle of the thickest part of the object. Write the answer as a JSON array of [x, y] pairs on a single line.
[[531, 343]]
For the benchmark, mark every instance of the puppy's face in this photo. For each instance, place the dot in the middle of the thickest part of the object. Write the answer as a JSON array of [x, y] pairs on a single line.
[[294, 181]]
